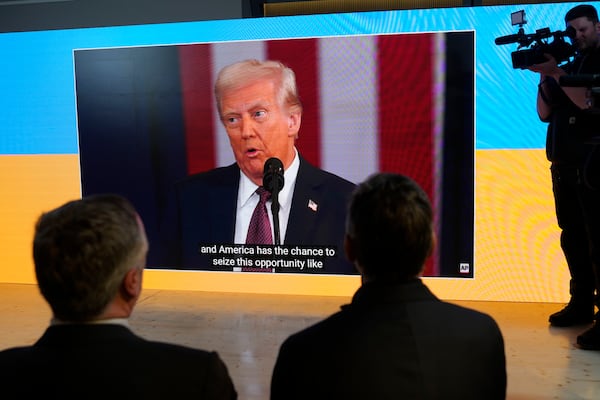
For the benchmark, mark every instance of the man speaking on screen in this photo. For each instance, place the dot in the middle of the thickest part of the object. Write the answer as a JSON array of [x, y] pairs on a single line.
[[259, 106]]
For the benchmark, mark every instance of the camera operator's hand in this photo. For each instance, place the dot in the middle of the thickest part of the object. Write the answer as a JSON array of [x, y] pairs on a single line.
[[548, 68]]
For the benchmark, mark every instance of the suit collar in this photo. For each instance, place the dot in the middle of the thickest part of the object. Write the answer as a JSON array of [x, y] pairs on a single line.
[[82, 334], [113, 321], [309, 176], [375, 293]]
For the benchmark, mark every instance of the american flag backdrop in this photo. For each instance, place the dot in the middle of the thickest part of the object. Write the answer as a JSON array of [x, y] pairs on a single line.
[[369, 101]]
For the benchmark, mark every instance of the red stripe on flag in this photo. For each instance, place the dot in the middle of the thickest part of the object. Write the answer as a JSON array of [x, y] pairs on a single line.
[[197, 97], [301, 56], [406, 108]]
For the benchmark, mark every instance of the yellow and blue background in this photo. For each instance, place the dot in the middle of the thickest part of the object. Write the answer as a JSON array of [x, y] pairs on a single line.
[[517, 253]]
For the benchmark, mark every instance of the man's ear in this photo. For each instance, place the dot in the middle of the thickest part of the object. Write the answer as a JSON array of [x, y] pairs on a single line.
[[132, 283], [433, 243], [294, 120], [350, 249]]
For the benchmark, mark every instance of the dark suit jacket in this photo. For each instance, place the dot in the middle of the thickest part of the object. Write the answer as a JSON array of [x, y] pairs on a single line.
[[394, 342], [110, 362], [207, 206]]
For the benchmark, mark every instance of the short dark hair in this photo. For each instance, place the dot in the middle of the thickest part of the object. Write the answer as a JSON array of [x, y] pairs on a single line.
[[390, 225], [82, 251], [582, 10]]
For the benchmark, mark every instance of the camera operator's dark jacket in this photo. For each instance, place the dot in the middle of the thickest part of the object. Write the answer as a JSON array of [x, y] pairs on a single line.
[[569, 139]]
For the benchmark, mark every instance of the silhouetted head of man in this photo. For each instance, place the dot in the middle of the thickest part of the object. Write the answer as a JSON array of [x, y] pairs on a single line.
[[89, 257], [389, 231]]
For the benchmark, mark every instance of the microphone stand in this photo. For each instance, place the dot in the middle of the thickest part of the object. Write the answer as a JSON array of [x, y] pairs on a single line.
[[273, 181], [275, 212]]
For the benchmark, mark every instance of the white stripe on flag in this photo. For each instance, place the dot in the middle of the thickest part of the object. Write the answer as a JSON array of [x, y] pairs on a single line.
[[349, 123], [438, 95]]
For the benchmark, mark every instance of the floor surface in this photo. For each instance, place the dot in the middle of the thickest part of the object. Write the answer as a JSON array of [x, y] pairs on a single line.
[[247, 329]]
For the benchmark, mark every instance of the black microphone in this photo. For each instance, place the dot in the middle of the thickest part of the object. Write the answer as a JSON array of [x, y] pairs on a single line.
[[273, 181], [273, 175], [508, 39]]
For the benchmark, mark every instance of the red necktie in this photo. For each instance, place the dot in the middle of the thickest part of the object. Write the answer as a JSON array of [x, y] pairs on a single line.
[[259, 231]]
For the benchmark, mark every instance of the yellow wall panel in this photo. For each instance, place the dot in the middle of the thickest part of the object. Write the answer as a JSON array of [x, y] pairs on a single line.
[[31, 184], [517, 252], [517, 249]]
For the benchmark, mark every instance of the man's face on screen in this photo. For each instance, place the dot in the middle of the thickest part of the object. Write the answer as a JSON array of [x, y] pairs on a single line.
[[259, 126]]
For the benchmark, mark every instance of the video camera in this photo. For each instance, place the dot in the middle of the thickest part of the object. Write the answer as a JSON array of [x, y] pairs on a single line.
[[537, 43]]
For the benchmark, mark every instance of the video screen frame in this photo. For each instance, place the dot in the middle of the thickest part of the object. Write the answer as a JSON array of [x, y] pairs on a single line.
[[431, 141]]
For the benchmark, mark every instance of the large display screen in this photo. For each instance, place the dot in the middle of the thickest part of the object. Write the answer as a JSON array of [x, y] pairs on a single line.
[[418, 92], [400, 103]]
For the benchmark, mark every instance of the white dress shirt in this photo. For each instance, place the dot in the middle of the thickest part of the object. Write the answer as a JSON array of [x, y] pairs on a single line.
[[248, 199], [111, 321]]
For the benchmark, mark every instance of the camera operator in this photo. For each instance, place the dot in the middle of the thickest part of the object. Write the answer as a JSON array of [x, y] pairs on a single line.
[[571, 153]]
